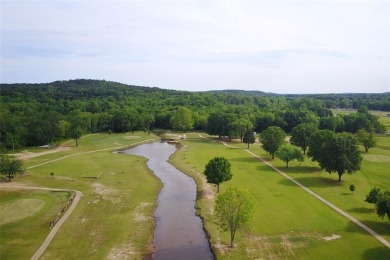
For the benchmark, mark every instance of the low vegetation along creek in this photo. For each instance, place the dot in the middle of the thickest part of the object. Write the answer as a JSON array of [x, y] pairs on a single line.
[[265, 176]]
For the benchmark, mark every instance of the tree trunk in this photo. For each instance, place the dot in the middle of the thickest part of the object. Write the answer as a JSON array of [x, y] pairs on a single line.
[[77, 142], [340, 173], [217, 188], [287, 164], [273, 155], [304, 151], [231, 237], [248, 145]]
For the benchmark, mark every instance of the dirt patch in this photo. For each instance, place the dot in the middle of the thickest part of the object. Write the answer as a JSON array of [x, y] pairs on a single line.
[[280, 246], [103, 193], [28, 155], [138, 214], [123, 252], [332, 237]]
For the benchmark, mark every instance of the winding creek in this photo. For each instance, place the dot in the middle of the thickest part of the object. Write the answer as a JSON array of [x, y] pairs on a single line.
[[179, 232]]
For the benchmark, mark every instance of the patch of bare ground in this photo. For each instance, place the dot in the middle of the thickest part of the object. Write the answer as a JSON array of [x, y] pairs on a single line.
[[223, 248], [28, 155], [332, 237], [123, 252], [101, 192], [279, 246], [139, 215]]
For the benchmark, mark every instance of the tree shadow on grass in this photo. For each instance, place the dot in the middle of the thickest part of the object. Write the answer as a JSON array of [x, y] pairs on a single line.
[[302, 169], [312, 182], [382, 227], [362, 210], [381, 252], [244, 159]]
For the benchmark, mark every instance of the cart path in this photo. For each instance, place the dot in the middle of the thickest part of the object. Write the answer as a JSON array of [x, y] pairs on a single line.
[[94, 151], [57, 226], [338, 210]]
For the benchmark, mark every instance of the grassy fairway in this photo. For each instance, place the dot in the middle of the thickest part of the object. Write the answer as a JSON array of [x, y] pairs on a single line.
[[114, 218], [25, 218], [288, 223]]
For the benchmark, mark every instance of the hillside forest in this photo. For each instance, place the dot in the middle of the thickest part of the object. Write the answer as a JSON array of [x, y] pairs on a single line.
[[40, 114]]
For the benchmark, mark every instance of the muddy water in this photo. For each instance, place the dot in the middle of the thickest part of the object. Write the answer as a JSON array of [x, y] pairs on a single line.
[[179, 233]]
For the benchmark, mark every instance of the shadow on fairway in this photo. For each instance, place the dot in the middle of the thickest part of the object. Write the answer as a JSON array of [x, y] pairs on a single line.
[[376, 253], [382, 227], [362, 210], [312, 182], [244, 159]]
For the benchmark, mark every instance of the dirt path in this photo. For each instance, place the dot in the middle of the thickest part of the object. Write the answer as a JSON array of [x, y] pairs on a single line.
[[338, 210], [57, 226]]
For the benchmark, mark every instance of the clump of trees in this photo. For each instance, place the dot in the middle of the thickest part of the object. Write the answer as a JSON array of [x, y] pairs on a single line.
[[218, 170], [381, 200], [233, 210]]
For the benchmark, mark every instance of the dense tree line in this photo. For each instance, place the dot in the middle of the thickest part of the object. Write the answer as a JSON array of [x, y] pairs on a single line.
[[38, 114]]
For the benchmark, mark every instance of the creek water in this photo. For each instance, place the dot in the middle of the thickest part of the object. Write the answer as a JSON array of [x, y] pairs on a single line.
[[179, 232]]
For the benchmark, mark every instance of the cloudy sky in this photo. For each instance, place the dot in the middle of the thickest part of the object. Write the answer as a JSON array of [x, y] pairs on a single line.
[[273, 46]]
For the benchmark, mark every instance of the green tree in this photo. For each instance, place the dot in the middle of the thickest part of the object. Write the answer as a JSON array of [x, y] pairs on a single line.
[[249, 138], [182, 119], [340, 154], [383, 205], [241, 126], [233, 210], [9, 166], [271, 139], [352, 187], [373, 195], [300, 135], [366, 139], [316, 142], [218, 170], [288, 153]]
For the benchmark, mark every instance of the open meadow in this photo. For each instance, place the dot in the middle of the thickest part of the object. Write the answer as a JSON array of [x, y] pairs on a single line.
[[114, 218], [288, 222]]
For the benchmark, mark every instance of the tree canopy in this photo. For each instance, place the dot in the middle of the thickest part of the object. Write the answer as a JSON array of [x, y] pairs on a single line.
[[233, 210], [218, 170], [10, 166], [336, 152], [288, 153], [271, 139], [300, 135]]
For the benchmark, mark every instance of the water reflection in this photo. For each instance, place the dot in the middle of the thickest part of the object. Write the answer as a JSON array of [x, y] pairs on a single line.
[[179, 233]]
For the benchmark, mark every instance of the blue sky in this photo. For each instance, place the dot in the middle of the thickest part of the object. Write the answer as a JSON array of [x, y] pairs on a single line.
[[272, 46]]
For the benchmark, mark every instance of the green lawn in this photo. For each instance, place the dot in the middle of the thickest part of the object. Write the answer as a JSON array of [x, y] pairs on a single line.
[[23, 229], [114, 218], [288, 223]]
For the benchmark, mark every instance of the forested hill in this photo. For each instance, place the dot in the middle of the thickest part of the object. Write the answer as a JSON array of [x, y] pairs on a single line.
[[37, 114]]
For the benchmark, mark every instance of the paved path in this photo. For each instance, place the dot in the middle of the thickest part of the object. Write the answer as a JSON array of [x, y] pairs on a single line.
[[57, 226], [338, 210]]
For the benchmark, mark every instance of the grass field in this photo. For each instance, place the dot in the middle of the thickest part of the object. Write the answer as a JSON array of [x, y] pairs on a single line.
[[289, 223], [114, 218]]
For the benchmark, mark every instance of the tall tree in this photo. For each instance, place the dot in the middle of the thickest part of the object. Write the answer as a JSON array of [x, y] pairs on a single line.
[[366, 139], [182, 119], [9, 166], [249, 138], [373, 195], [300, 135], [233, 210], [316, 142], [218, 170], [383, 205], [340, 154], [241, 126], [288, 153], [271, 139]]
